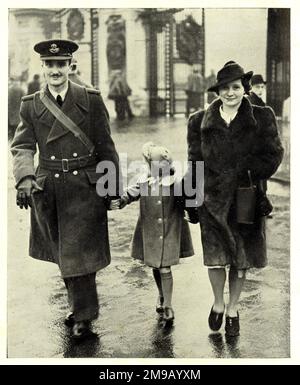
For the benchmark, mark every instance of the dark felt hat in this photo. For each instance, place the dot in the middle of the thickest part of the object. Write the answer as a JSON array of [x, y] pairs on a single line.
[[257, 79], [231, 71], [56, 49]]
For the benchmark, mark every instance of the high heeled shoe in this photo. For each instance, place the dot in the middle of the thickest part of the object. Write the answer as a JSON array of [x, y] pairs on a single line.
[[232, 326], [160, 304], [215, 320]]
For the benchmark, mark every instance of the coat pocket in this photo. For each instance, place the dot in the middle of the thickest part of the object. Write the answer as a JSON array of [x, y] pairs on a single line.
[[40, 180], [92, 176]]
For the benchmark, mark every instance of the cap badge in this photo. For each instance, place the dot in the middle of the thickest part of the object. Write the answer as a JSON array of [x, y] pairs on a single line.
[[54, 48]]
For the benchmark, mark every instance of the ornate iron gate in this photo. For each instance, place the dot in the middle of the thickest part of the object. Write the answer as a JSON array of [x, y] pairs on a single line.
[[175, 43]]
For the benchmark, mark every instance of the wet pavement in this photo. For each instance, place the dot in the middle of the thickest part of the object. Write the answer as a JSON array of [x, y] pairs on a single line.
[[128, 326]]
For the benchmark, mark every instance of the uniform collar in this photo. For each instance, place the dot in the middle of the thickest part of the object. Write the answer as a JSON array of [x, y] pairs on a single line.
[[61, 93]]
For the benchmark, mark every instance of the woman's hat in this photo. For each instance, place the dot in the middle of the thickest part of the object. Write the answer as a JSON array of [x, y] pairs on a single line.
[[257, 79], [231, 71]]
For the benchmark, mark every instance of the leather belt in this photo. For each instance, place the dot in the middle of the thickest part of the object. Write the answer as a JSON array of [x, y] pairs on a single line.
[[66, 165]]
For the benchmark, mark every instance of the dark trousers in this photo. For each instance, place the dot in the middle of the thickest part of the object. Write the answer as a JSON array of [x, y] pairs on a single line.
[[82, 296], [122, 108], [194, 101]]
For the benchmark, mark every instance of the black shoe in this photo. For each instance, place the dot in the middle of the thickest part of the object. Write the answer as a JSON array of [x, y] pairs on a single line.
[[160, 304], [232, 326], [215, 320], [82, 329], [168, 315], [69, 320]]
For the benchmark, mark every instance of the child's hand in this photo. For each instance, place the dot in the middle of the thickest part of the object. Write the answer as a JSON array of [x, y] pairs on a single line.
[[114, 204]]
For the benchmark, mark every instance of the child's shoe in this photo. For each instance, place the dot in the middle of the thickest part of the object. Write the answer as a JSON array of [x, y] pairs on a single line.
[[168, 315], [160, 304]]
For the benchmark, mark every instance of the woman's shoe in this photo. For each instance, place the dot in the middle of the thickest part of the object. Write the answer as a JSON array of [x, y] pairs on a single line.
[[81, 329], [69, 320], [232, 326], [215, 320], [160, 304], [168, 315]]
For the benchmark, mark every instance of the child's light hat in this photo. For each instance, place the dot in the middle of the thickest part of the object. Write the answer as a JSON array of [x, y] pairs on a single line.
[[153, 152]]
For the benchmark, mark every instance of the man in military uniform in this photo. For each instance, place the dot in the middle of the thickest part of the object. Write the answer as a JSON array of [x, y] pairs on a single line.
[[68, 217]]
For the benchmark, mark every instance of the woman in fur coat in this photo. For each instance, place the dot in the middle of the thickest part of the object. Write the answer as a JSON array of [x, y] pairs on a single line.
[[231, 137]]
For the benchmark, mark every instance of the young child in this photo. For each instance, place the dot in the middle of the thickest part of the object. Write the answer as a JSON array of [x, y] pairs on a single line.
[[162, 233]]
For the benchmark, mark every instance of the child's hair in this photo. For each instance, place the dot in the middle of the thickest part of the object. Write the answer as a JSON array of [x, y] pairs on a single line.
[[151, 150]]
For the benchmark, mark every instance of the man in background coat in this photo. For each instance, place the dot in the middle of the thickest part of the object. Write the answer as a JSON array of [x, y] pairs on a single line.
[[68, 217], [34, 85], [258, 86], [15, 94]]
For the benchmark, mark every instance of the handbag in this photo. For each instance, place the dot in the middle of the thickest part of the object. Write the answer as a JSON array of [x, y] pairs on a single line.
[[252, 202], [246, 203]]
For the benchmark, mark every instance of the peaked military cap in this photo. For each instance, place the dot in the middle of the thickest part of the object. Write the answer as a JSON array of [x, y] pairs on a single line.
[[56, 49]]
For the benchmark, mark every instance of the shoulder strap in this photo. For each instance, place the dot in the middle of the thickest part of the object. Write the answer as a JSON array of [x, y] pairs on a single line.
[[67, 122]]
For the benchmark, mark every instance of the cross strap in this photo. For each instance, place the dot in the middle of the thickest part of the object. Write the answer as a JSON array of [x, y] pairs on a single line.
[[66, 122]]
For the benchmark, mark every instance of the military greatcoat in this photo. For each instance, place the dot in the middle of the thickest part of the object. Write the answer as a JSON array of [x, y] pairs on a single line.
[[68, 218]]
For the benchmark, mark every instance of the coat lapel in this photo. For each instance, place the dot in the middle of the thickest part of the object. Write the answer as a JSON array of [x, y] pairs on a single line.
[[75, 107], [243, 120], [42, 113]]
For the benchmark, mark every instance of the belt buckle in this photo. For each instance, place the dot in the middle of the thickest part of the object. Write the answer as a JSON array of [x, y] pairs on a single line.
[[65, 165]]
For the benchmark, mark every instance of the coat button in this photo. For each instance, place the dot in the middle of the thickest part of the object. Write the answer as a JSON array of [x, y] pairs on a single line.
[[52, 157], [75, 154], [160, 237], [159, 220], [159, 202], [75, 172], [56, 175]]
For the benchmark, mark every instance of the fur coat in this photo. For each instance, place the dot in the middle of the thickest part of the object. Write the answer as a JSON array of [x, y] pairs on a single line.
[[250, 142]]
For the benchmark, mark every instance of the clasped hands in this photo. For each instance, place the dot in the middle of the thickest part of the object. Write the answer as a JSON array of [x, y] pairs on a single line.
[[117, 204]]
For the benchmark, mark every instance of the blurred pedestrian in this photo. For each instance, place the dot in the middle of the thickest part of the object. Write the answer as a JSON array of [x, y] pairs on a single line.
[[162, 234], [119, 91], [15, 94], [34, 85], [194, 91], [286, 110], [257, 92], [210, 81], [74, 75], [239, 145], [70, 126]]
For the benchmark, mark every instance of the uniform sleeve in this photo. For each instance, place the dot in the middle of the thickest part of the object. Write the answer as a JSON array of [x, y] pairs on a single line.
[[23, 146], [267, 154], [104, 145]]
